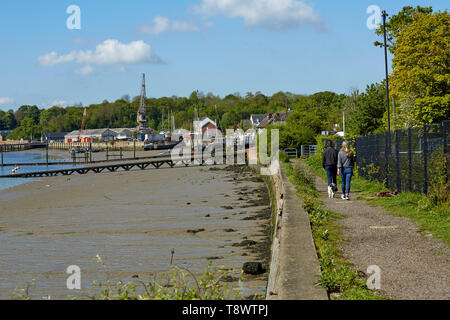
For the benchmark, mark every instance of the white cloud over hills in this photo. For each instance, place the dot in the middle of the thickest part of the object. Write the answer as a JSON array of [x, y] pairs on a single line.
[[61, 103], [109, 52], [274, 15]]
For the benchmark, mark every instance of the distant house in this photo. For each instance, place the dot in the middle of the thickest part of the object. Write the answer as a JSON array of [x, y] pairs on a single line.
[[207, 127], [124, 133], [53, 137], [329, 133], [256, 119], [272, 119], [4, 134], [90, 135]]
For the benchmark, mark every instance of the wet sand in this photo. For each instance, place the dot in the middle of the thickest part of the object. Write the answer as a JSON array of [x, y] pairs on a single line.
[[132, 220]]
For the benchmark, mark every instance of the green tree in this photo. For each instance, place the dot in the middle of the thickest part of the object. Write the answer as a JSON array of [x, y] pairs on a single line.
[[366, 116], [397, 23], [230, 120], [8, 121], [26, 111], [421, 67], [27, 130]]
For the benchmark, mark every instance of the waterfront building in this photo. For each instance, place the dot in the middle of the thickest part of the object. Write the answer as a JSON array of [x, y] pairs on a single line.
[[91, 135], [53, 137], [124, 134], [207, 127]]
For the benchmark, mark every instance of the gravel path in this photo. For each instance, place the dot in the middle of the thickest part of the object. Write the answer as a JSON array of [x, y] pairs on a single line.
[[413, 266]]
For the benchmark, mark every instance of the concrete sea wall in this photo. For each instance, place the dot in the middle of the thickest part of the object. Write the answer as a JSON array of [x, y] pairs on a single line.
[[294, 267]]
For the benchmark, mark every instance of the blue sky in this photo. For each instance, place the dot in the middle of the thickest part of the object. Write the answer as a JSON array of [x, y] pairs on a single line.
[[218, 46]]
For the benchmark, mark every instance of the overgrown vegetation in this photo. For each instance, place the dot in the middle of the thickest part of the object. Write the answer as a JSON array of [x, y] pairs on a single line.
[[178, 283], [337, 276]]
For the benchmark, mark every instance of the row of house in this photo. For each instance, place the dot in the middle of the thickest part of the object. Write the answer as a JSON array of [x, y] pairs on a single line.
[[261, 121], [205, 125], [91, 135]]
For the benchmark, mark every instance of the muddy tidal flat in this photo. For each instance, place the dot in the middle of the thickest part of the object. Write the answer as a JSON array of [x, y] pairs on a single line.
[[133, 220]]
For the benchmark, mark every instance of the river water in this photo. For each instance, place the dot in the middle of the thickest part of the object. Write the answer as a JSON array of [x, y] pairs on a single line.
[[30, 156]]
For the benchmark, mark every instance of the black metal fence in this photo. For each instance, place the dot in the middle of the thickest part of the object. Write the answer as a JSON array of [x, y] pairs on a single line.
[[408, 160]]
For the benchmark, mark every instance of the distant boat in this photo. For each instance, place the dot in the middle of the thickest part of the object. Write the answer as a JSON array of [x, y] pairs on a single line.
[[94, 150], [77, 150], [160, 146]]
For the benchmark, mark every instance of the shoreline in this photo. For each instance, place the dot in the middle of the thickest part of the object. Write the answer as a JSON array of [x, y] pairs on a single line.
[[128, 218]]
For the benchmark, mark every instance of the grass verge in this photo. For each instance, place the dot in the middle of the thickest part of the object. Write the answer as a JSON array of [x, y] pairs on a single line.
[[337, 276]]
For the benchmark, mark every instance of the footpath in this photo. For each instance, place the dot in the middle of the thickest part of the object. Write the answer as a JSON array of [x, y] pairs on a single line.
[[413, 265]]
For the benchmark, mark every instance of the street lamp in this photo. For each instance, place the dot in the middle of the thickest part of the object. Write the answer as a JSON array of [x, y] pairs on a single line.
[[384, 14]]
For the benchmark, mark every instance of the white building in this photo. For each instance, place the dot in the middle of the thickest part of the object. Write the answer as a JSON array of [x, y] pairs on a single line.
[[90, 135], [124, 133]]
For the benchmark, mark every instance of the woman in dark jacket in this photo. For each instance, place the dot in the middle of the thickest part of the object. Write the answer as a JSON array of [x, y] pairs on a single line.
[[345, 169], [329, 163]]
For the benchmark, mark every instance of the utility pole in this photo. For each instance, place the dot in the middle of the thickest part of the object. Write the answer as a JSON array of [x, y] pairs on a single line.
[[343, 119], [384, 14]]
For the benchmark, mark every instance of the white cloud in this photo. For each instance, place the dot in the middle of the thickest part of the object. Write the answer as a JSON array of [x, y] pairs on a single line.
[[109, 52], [59, 103], [52, 59], [62, 103], [6, 100], [275, 15], [163, 24], [86, 70]]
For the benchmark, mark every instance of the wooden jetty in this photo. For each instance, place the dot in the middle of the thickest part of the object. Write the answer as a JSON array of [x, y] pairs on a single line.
[[126, 166], [58, 163], [10, 147]]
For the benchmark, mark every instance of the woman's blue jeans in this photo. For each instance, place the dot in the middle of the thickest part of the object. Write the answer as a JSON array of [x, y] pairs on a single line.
[[346, 175], [331, 174]]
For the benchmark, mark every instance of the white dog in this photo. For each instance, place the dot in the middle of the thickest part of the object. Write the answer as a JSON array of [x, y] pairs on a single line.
[[332, 189]]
